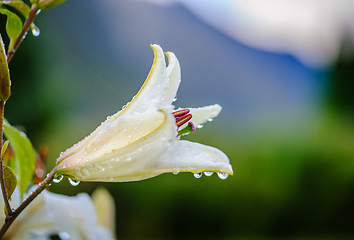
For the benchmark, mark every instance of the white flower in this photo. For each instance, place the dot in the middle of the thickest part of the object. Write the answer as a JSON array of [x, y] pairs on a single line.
[[55, 214], [141, 140]]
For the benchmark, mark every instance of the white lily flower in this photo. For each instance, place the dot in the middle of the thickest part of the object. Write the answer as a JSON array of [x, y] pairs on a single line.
[[141, 140], [51, 214]]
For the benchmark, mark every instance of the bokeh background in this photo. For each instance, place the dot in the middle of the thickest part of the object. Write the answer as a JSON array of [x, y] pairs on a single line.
[[283, 72]]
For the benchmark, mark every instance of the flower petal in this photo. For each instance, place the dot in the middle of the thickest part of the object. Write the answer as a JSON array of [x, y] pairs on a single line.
[[126, 157], [75, 216], [105, 208], [152, 93], [185, 156], [174, 74], [33, 221], [203, 114]]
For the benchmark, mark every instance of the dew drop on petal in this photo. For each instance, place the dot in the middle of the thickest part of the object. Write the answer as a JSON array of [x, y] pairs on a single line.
[[178, 156], [175, 99], [64, 235], [155, 99], [222, 175], [210, 120], [208, 174], [163, 136], [175, 171], [85, 172], [58, 179], [97, 166], [128, 157], [73, 182], [108, 165], [200, 126], [198, 175]]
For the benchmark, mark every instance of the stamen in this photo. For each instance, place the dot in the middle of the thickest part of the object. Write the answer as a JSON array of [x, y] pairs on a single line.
[[180, 112], [183, 119], [192, 126]]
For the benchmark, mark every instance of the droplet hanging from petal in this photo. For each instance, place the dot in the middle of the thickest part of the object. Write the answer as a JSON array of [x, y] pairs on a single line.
[[73, 182]]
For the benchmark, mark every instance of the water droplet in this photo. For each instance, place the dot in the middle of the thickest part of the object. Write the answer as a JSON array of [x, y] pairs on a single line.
[[222, 175], [178, 156], [140, 149], [89, 165], [61, 154], [208, 174], [78, 172], [175, 171], [58, 179], [175, 99], [163, 136], [109, 117], [73, 182], [210, 120], [97, 166], [128, 157], [35, 30], [129, 136], [85, 172], [198, 175], [200, 126], [155, 99], [64, 235], [108, 165]]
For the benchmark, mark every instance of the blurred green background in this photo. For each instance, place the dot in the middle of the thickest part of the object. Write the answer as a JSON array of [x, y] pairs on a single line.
[[287, 128]]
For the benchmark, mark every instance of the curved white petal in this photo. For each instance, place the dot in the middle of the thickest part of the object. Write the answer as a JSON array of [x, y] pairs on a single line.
[[105, 208], [185, 156], [127, 157], [75, 216], [152, 93], [203, 114], [174, 74], [33, 221]]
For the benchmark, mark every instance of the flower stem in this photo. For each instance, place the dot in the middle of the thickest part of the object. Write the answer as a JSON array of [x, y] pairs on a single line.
[[29, 199], [24, 29], [2, 178]]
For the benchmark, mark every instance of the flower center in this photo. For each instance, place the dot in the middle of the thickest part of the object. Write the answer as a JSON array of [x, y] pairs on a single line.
[[183, 116]]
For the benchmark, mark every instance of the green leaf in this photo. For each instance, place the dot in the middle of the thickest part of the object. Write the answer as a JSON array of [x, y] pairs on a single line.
[[13, 26], [10, 180], [24, 162], [25, 10], [3, 149], [20, 6]]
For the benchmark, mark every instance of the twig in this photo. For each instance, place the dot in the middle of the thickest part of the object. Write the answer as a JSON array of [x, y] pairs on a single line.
[[24, 29], [29, 199], [2, 178]]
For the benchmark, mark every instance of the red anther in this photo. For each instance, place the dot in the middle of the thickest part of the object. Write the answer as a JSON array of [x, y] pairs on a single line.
[[180, 112], [192, 126], [183, 119]]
